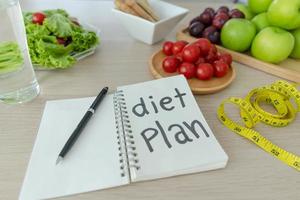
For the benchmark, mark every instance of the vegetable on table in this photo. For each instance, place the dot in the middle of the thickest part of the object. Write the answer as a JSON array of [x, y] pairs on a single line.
[[11, 58], [54, 38]]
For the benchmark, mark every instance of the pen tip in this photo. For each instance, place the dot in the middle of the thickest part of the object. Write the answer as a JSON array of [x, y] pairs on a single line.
[[59, 159], [106, 88]]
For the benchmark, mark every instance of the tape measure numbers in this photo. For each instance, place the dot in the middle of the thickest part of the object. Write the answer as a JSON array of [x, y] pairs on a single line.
[[284, 97]]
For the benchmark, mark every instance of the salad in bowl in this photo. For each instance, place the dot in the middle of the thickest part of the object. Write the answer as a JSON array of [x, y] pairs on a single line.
[[56, 40]]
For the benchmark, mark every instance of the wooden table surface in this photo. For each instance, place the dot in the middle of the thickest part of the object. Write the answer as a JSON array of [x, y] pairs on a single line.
[[250, 174]]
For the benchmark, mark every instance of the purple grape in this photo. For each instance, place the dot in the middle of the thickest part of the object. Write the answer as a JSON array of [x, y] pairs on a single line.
[[206, 18], [214, 37], [223, 9], [235, 13], [196, 19], [211, 11], [196, 29], [220, 20], [209, 30]]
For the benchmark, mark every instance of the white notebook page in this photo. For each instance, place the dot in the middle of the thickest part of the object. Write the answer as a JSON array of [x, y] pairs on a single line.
[[160, 157], [91, 164]]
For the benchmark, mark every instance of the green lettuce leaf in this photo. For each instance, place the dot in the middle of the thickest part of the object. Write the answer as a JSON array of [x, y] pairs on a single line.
[[59, 25], [48, 13], [57, 49], [84, 41], [53, 55], [27, 17]]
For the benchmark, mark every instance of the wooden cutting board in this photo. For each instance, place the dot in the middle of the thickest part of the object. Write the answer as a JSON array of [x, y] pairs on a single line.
[[197, 86], [288, 69]]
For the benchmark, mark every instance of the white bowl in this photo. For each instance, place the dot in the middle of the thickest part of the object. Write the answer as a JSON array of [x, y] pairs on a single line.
[[152, 32]]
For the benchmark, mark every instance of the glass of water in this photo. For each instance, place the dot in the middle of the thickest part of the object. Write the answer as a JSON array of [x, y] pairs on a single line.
[[17, 78]]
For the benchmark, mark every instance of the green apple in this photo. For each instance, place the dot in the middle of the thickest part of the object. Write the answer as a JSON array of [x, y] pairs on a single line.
[[259, 6], [237, 34], [260, 21], [296, 51], [244, 9], [284, 14], [272, 44]]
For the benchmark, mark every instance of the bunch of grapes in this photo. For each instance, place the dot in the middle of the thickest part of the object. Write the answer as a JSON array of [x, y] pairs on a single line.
[[210, 22]]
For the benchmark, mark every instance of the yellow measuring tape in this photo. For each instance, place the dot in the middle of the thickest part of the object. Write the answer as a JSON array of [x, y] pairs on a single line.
[[284, 97]]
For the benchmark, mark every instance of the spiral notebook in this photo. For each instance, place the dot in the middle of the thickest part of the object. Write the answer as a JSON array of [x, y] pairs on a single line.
[[140, 132]]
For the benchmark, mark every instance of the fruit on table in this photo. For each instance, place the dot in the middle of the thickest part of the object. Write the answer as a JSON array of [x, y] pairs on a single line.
[[211, 33], [204, 46], [260, 21], [284, 14], [214, 37], [209, 23], [191, 53], [199, 59], [259, 6], [226, 57], [206, 18], [178, 47], [237, 34], [223, 9], [220, 19], [187, 69], [167, 48], [272, 44], [212, 55], [245, 9], [204, 71], [170, 64], [220, 68], [209, 30], [211, 11], [296, 51], [196, 29], [235, 13]]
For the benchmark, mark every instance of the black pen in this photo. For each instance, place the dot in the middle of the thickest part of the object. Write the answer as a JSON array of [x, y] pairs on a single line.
[[72, 139]]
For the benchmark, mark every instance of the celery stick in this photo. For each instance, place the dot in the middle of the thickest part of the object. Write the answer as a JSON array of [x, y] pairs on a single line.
[[11, 58]]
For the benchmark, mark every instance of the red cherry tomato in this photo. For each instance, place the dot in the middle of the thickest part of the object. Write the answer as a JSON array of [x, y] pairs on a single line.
[[204, 71], [226, 57], [191, 53], [200, 60], [204, 45], [187, 69], [178, 47], [167, 48], [38, 18], [179, 56], [211, 56], [170, 64], [220, 68], [60, 40], [214, 48]]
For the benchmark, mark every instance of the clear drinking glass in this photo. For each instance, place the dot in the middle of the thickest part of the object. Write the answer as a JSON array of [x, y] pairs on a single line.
[[17, 78]]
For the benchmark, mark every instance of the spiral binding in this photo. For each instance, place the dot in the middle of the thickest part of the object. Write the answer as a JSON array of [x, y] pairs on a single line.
[[127, 149]]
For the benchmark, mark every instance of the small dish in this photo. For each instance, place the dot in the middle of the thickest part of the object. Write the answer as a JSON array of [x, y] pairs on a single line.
[[80, 55], [197, 86], [150, 32]]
